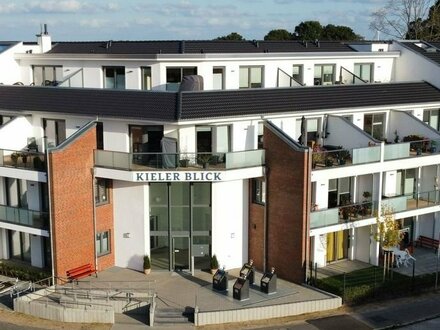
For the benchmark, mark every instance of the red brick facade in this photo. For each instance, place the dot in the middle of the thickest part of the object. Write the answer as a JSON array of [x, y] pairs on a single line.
[[256, 232], [71, 189], [288, 203], [104, 222]]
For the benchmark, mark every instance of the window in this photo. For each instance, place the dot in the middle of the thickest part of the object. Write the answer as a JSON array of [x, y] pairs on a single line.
[[339, 192], [258, 191], [103, 243], [146, 78], [99, 135], [431, 118], [260, 135], [175, 76], [251, 77], [19, 245], [54, 131], [364, 71], [16, 192], [374, 125], [297, 73], [324, 74], [114, 77], [47, 75], [101, 191], [218, 78]]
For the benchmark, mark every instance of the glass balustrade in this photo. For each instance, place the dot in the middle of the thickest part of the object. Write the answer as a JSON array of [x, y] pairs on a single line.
[[29, 218]]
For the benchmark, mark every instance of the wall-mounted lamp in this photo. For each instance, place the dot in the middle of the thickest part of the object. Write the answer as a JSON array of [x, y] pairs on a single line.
[[126, 235], [130, 71]]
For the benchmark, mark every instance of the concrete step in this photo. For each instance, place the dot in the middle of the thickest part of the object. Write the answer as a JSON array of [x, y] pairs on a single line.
[[171, 316]]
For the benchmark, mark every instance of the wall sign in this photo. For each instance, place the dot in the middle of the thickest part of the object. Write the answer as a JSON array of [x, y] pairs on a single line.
[[177, 176]]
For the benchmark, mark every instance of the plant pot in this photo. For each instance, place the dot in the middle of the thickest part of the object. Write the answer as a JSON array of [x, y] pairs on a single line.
[[184, 162], [419, 151], [205, 165], [147, 271], [213, 271]]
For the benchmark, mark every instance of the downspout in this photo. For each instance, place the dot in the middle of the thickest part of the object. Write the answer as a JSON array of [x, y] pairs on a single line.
[[265, 224], [51, 229], [94, 216], [307, 212]]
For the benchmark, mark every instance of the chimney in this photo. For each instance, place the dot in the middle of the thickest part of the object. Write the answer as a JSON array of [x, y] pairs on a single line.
[[44, 40]]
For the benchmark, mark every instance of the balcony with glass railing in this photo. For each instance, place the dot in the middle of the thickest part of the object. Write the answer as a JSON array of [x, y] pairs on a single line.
[[24, 217], [331, 156], [179, 161], [28, 160], [412, 201], [342, 214]]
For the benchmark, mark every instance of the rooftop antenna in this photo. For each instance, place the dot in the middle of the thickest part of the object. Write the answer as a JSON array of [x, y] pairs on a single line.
[[45, 29]]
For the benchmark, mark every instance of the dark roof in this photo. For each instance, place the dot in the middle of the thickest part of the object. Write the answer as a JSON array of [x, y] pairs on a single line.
[[433, 53], [196, 47], [196, 105], [169, 106], [91, 102]]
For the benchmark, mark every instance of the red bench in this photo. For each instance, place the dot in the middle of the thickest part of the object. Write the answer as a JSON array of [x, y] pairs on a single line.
[[80, 272], [428, 242]]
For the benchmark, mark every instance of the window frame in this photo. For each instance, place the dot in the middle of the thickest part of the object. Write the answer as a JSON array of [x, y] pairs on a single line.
[[371, 65], [249, 76], [321, 78], [149, 85], [115, 74], [174, 86], [259, 191], [44, 74], [98, 188], [300, 78], [99, 242]]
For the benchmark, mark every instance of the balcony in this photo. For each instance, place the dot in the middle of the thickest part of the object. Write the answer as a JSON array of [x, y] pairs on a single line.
[[27, 160], [23, 217], [342, 214], [412, 201], [179, 161], [331, 156]]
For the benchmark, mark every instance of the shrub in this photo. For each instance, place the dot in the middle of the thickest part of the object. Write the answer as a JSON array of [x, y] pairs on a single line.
[[214, 262], [147, 263]]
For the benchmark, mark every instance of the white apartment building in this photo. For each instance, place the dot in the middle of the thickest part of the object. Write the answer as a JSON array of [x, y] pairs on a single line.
[[104, 160]]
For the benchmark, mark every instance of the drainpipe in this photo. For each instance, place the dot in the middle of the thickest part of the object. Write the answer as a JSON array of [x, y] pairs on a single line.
[[51, 229], [265, 225], [94, 217]]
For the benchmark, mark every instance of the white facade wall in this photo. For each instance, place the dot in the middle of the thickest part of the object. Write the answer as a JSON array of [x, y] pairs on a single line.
[[320, 250], [9, 67], [362, 243], [131, 225], [116, 136], [14, 135], [230, 222], [414, 67]]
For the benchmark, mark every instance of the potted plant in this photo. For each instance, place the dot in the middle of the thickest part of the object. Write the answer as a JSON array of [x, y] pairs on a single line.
[[343, 156], [24, 157], [147, 265], [214, 264], [14, 157], [184, 161], [204, 159]]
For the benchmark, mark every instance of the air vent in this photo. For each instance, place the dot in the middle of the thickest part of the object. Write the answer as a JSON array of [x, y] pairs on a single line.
[[431, 50]]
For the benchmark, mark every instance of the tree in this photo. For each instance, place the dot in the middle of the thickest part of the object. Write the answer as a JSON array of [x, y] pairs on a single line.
[[279, 34], [339, 32], [308, 30], [388, 234], [231, 36], [428, 29], [401, 18]]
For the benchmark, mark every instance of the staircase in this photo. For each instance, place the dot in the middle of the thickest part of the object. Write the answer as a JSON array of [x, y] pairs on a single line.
[[168, 316]]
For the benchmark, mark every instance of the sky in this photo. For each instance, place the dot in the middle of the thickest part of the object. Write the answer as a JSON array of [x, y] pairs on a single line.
[[70, 20]]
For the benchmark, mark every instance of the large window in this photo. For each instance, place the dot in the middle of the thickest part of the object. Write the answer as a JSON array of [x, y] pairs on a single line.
[[175, 76], [146, 78], [5, 119], [103, 243], [259, 191], [374, 124], [218, 78], [114, 77], [54, 131], [364, 71], [16, 192], [102, 191], [431, 117], [19, 245], [339, 192], [47, 75], [251, 77], [324, 74], [297, 73]]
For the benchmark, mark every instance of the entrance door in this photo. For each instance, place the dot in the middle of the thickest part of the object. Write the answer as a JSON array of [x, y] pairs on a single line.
[[180, 253]]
